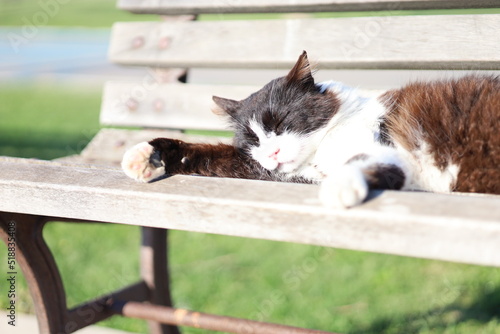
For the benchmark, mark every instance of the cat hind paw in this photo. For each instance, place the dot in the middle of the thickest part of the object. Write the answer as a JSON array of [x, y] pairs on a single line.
[[345, 189], [139, 163]]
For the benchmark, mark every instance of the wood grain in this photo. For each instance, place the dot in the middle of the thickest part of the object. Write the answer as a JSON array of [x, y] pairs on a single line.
[[182, 106], [174, 106], [462, 228], [403, 42], [179, 7]]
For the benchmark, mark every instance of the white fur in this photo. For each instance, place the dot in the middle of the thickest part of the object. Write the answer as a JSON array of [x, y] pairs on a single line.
[[426, 176], [344, 189], [136, 163], [289, 147], [353, 130]]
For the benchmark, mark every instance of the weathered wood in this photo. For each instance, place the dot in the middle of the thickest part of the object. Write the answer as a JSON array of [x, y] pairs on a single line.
[[411, 42], [462, 228], [173, 106], [177, 106], [178, 7]]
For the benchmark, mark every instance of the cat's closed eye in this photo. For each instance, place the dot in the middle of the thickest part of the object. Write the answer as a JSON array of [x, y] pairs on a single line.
[[251, 136], [273, 123], [280, 126]]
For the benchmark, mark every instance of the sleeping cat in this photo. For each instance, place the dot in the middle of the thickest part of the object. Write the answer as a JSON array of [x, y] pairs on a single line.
[[440, 136]]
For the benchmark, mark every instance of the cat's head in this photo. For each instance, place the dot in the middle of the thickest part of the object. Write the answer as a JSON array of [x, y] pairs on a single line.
[[277, 124]]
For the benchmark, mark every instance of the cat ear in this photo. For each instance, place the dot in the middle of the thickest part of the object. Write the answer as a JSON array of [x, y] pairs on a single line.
[[225, 106], [301, 71]]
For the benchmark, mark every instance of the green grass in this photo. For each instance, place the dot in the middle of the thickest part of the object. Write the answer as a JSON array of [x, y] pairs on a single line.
[[103, 13], [82, 13], [336, 290], [44, 121]]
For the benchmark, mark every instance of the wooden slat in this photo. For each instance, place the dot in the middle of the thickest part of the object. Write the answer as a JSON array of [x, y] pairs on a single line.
[[448, 227], [177, 106], [412, 42], [179, 7], [173, 106]]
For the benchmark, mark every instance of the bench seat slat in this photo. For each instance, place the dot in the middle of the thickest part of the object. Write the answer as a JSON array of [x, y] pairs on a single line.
[[462, 228], [409, 42], [180, 7]]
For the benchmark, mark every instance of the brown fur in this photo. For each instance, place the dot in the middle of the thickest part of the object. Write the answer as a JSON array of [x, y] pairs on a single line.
[[202, 159], [219, 160], [459, 121]]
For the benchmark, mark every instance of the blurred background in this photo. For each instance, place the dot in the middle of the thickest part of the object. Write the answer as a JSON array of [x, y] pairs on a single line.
[[52, 68]]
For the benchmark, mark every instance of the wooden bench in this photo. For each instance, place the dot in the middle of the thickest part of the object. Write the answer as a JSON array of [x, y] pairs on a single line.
[[90, 187]]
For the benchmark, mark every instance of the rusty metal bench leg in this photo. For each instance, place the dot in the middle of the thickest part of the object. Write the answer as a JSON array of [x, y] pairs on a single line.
[[39, 269], [23, 234], [154, 272]]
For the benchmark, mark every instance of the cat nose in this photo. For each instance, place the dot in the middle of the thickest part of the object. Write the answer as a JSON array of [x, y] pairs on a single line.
[[274, 155]]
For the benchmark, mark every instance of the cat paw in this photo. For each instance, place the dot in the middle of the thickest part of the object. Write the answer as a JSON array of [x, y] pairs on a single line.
[[345, 189], [139, 163]]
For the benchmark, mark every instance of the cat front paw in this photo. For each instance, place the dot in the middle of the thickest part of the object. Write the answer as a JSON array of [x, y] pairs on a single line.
[[141, 164], [345, 189]]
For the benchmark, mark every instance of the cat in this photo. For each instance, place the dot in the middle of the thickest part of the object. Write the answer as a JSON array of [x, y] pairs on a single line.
[[439, 136]]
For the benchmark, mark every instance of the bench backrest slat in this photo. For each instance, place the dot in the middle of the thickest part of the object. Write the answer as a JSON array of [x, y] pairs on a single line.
[[439, 42], [179, 7], [409, 42], [157, 105], [153, 104]]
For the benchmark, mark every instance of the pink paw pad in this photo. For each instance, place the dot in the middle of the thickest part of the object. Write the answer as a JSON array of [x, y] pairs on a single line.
[[136, 163]]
